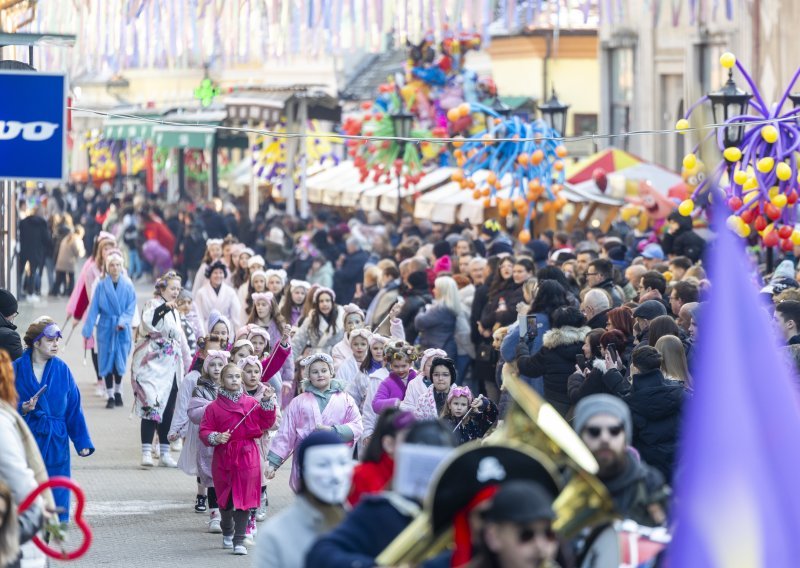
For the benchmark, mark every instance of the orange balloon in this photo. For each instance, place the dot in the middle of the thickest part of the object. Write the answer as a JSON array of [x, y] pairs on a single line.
[[460, 162], [476, 194], [520, 202], [491, 178], [523, 159], [537, 157], [453, 115], [546, 206], [498, 185], [558, 165], [487, 202], [471, 183], [458, 153], [457, 176], [463, 110], [524, 236], [459, 140], [504, 207], [487, 139], [561, 151]]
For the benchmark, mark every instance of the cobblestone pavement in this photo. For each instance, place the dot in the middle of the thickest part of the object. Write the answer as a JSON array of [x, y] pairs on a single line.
[[140, 517]]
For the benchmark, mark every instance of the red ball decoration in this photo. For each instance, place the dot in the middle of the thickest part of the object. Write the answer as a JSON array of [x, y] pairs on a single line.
[[771, 239], [760, 223], [735, 203], [785, 232], [772, 212], [748, 216], [787, 245], [791, 199]]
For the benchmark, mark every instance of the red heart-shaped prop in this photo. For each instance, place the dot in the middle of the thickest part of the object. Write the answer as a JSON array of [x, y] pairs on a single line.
[[80, 499]]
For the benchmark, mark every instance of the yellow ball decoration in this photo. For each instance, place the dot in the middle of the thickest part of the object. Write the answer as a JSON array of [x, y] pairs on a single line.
[[686, 207], [769, 133], [727, 60], [689, 161], [795, 237], [765, 165], [682, 124], [750, 183], [783, 171], [750, 196], [773, 191], [739, 177], [779, 201], [744, 230], [734, 222], [732, 154]]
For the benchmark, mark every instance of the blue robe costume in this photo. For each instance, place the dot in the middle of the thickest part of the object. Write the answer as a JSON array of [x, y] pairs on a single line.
[[114, 306], [57, 418]]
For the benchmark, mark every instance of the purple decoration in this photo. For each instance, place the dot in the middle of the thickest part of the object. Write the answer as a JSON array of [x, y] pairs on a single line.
[[736, 477]]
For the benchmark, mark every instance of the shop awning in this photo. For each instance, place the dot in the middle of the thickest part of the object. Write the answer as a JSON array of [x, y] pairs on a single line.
[[128, 129], [197, 137]]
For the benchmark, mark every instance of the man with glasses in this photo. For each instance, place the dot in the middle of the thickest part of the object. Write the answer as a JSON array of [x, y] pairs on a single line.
[[9, 338], [639, 493], [600, 275]]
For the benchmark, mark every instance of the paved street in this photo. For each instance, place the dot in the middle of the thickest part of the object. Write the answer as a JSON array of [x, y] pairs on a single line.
[[139, 517]]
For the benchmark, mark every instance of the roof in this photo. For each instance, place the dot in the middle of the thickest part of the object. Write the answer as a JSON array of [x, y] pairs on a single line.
[[363, 83]]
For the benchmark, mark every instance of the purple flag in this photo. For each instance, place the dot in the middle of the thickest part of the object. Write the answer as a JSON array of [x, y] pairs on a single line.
[[738, 504]]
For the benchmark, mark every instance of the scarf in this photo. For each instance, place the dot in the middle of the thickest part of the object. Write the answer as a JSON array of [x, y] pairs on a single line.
[[232, 396]]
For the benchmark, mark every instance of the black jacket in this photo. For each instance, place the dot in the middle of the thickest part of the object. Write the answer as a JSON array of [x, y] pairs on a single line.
[[9, 339], [684, 242], [580, 386], [555, 362], [493, 313], [656, 411], [608, 286], [34, 240], [416, 299], [599, 321], [350, 274]]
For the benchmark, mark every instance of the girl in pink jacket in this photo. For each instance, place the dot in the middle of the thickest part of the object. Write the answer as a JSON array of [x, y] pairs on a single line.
[[399, 357], [231, 425]]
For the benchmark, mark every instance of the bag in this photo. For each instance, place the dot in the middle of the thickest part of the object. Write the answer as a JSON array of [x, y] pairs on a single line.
[[484, 353]]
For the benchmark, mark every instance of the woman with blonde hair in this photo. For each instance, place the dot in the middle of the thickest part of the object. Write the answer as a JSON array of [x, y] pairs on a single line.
[[673, 361]]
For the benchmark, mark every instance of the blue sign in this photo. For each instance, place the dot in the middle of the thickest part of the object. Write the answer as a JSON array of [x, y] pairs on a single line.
[[33, 126]]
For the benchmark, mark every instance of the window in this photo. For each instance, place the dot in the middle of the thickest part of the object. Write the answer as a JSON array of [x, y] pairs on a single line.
[[621, 95]]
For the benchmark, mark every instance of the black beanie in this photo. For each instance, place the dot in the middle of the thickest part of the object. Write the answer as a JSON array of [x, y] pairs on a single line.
[[442, 248], [8, 303], [418, 280]]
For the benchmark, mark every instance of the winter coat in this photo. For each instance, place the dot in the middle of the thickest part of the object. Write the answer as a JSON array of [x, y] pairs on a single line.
[[501, 308], [656, 412], [182, 427], [365, 532], [508, 349], [34, 239], [608, 286], [70, 250], [341, 352], [112, 307], [323, 276], [333, 407], [414, 302], [416, 389], [226, 302], [9, 339], [476, 425], [321, 339], [684, 242], [380, 306], [363, 389], [391, 392], [236, 467], [555, 362], [370, 477], [437, 329], [580, 386], [203, 394], [350, 274], [429, 406]]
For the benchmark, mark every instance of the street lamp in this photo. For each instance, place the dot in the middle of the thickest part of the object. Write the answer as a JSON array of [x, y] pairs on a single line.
[[728, 102], [795, 98], [402, 122], [501, 108], [554, 113]]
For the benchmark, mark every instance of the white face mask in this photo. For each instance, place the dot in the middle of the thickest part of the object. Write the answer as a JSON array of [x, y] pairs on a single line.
[[328, 471]]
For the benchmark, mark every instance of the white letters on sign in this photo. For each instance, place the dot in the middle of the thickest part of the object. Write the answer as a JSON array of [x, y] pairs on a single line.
[[31, 131]]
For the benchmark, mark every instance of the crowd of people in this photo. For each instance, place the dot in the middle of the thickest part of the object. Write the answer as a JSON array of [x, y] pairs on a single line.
[[344, 344]]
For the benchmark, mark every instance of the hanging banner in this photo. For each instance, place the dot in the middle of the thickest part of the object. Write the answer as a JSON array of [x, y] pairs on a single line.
[[33, 126]]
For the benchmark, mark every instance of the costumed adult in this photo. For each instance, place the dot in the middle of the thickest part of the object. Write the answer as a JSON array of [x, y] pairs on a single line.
[[159, 361], [325, 464], [112, 310], [51, 403], [81, 295]]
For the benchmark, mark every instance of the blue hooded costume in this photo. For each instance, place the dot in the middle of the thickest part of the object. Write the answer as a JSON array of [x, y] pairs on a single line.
[[56, 419]]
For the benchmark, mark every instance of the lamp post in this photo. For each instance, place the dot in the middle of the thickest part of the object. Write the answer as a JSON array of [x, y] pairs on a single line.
[[554, 113], [402, 123], [726, 103], [795, 98]]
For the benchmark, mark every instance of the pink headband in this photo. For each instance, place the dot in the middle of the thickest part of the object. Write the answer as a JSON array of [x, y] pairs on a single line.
[[250, 360], [353, 309], [244, 331], [257, 259], [242, 343], [279, 273], [258, 273], [211, 242], [322, 289], [430, 354], [456, 392], [377, 338], [266, 296], [213, 355], [300, 284], [115, 252], [260, 331], [365, 333], [105, 236]]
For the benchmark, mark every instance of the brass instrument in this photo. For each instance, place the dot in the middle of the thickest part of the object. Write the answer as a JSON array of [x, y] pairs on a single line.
[[532, 424]]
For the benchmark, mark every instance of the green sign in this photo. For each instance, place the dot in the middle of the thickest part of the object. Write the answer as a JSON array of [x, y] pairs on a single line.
[[206, 92], [130, 130], [184, 137]]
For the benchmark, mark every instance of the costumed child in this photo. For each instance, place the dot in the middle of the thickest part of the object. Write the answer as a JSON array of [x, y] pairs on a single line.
[[256, 284], [399, 357], [365, 384], [240, 274], [183, 428], [418, 386], [292, 306], [251, 377], [469, 418], [220, 326], [272, 360], [265, 314], [112, 309], [322, 406], [213, 254], [324, 326], [276, 280], [443, 379], [354, 319], [204, 394], [241, 348], [190, 322], [217, 295], [231, 425], [359, 350]]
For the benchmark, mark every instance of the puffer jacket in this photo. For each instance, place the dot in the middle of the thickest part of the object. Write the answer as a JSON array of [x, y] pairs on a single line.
[[656, 411], [555, 362]]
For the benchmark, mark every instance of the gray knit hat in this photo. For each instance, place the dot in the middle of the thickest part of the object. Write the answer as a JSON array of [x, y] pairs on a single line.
[[596, 404]]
